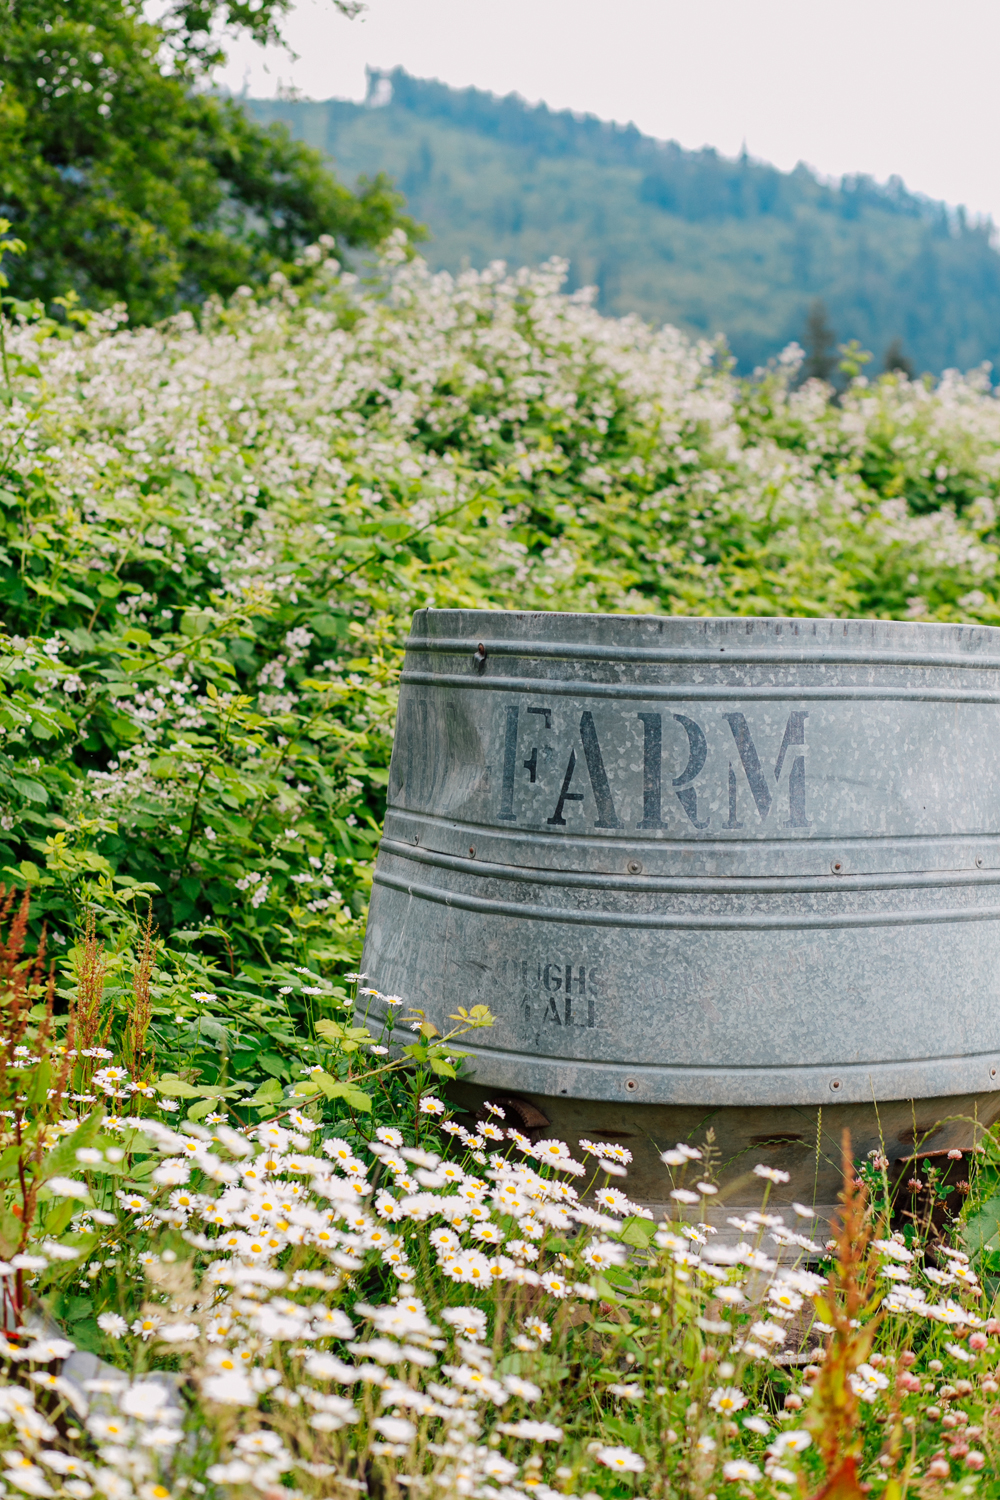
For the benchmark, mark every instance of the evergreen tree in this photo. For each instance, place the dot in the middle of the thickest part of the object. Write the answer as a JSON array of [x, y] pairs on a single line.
[[895, 359], [820, 343], [130, 181]]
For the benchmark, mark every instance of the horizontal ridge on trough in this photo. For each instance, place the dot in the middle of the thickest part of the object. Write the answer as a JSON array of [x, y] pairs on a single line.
[[686, 922], [741, 656]]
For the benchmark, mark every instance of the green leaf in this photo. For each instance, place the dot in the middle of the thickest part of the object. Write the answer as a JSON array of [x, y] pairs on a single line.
[[627, 1432], [348, 1038], [335, 1088], [75, 1308], [176, 1088], [9, 1161], [33, 790], [980, 1232], [268, 1093], [62, 1158], [57, 1222], [538, 1366], [638, 1233], [110, 1168], [605, 1290], [38, 1089], [329, 625], [10, 1233]]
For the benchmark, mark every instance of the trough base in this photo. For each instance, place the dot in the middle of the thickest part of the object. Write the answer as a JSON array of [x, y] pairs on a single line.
[[804, 1141]]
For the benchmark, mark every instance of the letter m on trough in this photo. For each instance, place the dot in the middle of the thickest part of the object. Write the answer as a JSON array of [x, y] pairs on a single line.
[[795, 734]]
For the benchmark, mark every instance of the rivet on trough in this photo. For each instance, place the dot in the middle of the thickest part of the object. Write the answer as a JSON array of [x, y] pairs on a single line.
[[837, 867], [472, 850], [479, 658], [979, 861], [835, 1085], [631, 1085], [634, 867]]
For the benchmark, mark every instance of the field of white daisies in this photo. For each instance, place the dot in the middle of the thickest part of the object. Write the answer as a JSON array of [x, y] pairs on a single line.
[[246, 1247], [297, 1298]]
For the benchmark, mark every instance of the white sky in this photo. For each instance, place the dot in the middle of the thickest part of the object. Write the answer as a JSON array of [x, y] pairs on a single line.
[[877, 86]]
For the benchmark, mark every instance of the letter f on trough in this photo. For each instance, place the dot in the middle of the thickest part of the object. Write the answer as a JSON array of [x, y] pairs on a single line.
[[795, 734]]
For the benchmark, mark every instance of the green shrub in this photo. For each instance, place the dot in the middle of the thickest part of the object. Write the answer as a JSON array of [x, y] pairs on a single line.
[[213, 535]]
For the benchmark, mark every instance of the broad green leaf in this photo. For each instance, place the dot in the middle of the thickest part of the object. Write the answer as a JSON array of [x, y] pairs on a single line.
[[58, 1221], [269, 1093], [39, 1087], [339, 1031], [61, 1160], [981, 1230], [9, 1160], [537, 1366], [176, 1088], [10, 1234], [335, 1088], [638, 1233]]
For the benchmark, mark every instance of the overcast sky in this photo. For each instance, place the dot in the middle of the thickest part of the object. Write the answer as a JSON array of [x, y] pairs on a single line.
[[878, 86]]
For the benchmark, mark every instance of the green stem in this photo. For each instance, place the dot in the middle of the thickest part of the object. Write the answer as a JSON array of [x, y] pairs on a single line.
[[194, 812], [3, 352], [436, 521]]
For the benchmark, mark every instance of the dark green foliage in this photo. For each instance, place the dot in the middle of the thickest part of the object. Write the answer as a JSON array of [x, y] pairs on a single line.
[[896, 360], [688, 237], [130, 183], [820, 345]]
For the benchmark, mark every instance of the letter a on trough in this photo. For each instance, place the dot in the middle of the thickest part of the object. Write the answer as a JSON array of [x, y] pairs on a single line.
[[565, 795], [606, 815]]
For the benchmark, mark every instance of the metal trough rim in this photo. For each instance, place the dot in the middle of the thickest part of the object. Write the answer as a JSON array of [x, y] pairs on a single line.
[[717, 656]]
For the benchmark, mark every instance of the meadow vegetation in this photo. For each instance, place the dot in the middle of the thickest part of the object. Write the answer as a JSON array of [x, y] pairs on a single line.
[[308, 1277], [361, 1294]]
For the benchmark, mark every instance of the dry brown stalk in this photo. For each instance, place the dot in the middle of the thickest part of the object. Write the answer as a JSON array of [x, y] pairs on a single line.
[[24, 984], [92, 974], [834, 1416], [142, 1010]]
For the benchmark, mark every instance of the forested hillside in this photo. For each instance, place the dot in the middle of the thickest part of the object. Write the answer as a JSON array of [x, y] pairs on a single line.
[[677, 236]]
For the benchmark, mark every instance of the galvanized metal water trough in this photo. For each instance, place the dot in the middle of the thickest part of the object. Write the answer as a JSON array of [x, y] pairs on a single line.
[[730, 873]]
